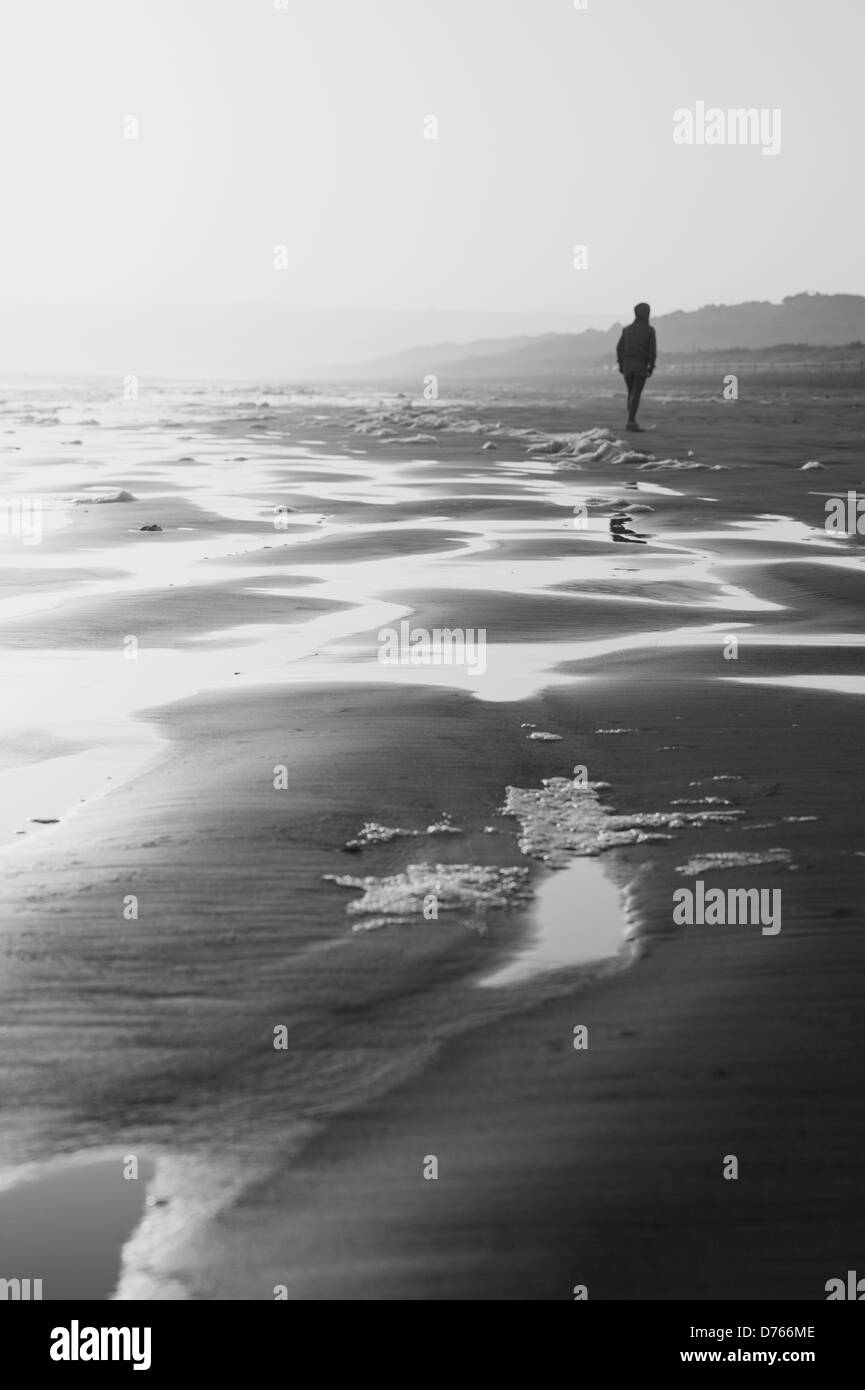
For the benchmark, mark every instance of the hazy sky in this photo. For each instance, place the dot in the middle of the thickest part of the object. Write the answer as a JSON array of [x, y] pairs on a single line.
[[304, 126]]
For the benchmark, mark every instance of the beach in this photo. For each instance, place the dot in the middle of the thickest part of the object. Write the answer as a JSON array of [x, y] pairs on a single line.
[[216, 954]]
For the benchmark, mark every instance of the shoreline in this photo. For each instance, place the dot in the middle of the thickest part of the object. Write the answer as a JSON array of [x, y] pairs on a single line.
[[393, 1047]]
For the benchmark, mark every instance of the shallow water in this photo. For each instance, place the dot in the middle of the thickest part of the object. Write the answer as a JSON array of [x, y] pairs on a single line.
[[68, 1225], [375, 537], [577, 919]]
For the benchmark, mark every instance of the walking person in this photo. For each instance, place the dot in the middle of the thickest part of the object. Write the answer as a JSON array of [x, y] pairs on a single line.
[[636, 351]]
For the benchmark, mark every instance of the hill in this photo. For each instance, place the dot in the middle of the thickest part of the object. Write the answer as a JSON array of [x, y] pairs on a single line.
[[800, 321]]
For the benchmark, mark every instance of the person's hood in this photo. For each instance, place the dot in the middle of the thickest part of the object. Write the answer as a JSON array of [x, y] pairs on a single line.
[[641, 311]]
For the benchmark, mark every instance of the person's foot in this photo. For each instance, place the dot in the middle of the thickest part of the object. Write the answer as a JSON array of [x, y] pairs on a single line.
[[632, 425]]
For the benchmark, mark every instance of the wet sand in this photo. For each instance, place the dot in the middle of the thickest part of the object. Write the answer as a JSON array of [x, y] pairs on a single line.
[[304, 1167]]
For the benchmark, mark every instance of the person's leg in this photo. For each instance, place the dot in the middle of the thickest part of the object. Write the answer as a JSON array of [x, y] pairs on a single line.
[[634, 395], [629, 387]]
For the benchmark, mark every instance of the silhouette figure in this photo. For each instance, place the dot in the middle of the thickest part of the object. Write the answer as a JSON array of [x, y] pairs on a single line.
[[636, 351]]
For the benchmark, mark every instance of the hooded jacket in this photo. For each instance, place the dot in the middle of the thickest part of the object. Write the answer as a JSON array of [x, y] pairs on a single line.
[[637, 347]]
